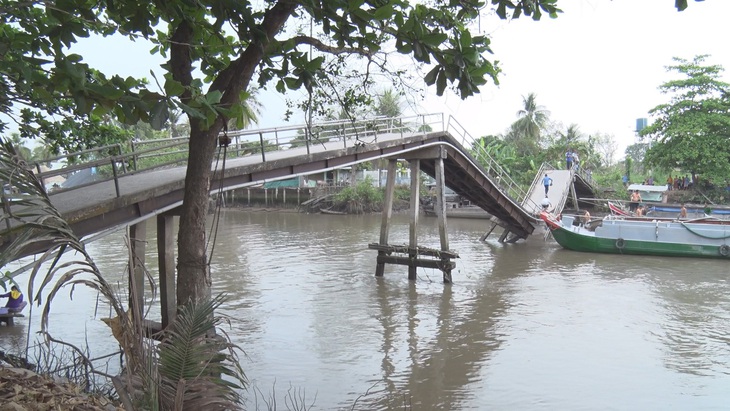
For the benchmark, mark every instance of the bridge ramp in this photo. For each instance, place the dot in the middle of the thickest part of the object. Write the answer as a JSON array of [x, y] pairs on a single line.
[[557, 193]]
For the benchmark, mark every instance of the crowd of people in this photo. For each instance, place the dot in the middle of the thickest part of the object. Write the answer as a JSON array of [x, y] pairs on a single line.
[[572, 161], [679, 182]]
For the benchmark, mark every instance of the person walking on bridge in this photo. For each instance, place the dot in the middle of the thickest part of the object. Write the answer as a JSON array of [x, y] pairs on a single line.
[[547, 182]]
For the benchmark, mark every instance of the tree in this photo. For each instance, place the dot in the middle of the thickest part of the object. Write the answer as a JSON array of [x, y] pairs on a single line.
[[604, 147], [525, 132], [388, 104], [691, 131], [229, 45]]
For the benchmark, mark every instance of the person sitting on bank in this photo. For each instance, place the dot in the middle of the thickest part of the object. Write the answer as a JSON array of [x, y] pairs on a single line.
[[15, 299]]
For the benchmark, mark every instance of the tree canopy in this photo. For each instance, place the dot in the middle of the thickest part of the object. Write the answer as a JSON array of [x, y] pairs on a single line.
[[691, 132]]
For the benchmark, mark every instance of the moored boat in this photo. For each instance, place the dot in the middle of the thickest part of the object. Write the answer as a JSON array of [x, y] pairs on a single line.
[[703, 237], [468, 211]]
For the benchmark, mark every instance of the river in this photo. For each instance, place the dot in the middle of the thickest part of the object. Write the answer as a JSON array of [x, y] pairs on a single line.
[[526, 326]]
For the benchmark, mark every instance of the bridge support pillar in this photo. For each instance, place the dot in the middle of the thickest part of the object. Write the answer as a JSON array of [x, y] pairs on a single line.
[[412, 255], [166, 259], [387, 214], [137, 246]]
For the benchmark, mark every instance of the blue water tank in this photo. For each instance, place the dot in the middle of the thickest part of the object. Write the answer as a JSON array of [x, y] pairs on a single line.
[[640, 124]]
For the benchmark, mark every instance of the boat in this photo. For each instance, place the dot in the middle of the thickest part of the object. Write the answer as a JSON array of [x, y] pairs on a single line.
[[618, 209], [464, 211], [706, 237]]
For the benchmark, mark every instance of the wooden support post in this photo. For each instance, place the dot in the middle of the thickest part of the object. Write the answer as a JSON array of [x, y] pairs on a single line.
[[484, 237], [441, 215], [137, 245], [572, 193], [504, 235], [387, 213], [166, 258], [413, 231]]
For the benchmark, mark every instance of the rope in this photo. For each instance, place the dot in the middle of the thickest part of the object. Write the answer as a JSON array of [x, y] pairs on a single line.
[[702, 235], [213, 235]]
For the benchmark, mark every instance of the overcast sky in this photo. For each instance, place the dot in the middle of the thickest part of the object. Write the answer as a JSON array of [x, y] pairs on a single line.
[[597, 65]]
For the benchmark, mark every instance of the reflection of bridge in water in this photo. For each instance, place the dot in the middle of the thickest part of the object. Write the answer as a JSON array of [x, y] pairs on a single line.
[[442, 148]]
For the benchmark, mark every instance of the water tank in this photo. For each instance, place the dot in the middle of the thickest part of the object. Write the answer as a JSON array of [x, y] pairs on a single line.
[[640, 124]]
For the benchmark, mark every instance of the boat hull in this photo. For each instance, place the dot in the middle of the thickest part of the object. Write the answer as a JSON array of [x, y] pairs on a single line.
[[658, 238]]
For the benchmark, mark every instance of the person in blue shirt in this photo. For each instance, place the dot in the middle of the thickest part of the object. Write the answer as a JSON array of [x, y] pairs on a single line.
[[547, 182], [569, 158]]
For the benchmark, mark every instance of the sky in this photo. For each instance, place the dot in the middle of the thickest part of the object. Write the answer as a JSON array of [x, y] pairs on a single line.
[[598, 65]]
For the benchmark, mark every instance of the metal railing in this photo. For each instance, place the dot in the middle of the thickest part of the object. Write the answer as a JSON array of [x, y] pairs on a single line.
[[146, 155], [494, 170]]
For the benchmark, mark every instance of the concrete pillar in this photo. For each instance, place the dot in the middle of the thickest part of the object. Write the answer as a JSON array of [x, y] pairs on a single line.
[[166, 258], [137, 246]]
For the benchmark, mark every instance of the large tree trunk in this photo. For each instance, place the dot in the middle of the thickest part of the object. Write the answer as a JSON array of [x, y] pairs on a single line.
[[193, 274]]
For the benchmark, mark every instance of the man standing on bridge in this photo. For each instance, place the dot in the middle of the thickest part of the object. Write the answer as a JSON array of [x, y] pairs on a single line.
[[547, 182]]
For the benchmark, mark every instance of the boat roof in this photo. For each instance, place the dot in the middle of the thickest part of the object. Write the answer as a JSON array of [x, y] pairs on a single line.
[[644, 187]]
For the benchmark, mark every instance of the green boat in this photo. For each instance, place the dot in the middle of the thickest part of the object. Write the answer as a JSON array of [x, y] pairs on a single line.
[[706, 237]]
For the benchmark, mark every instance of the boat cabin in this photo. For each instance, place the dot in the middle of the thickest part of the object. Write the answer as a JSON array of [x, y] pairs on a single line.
[[650, 193]]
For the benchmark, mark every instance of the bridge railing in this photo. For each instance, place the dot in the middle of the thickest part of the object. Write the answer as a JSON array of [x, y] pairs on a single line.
[[330, 134], [112, 162], [494, 170]]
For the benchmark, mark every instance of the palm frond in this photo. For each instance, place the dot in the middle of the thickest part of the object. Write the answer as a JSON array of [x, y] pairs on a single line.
[[196, 368]]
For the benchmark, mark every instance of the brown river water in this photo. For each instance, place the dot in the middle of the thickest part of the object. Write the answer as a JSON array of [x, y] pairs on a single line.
[[526, 326]]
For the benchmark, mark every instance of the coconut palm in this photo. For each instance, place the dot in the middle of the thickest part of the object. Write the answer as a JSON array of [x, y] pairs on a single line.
[[525, 133]]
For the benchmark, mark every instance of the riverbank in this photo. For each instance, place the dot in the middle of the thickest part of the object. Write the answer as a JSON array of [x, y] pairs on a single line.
[[22, 389]]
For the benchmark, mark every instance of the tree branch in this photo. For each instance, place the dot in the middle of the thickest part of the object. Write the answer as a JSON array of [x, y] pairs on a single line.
[[330, 49]]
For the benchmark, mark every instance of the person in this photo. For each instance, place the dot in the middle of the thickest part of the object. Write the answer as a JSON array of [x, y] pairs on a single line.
[[15, 299], [670, 183], [635, 200], [640, 210], [625, 180], [586, 218], [546, 204], [569, 158], [683, 211], [576, 161], [547, 182]]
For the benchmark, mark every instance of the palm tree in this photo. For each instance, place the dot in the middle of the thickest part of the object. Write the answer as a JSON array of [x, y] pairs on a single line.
[[572, 134], [250, 110], [389, 104], [525, 132]]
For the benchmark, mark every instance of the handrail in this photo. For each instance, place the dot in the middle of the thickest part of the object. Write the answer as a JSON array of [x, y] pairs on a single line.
[[493, 168], [340, 133]]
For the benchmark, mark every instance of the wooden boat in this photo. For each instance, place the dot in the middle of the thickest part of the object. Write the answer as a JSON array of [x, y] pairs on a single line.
[[706, 237], [618, 209], [468, 211]]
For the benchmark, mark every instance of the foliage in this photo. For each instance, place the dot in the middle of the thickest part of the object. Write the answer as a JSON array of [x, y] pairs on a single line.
[[526, 132], [361, 198], [184, 370], [691, 132], [388, 104], [191, 365]]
